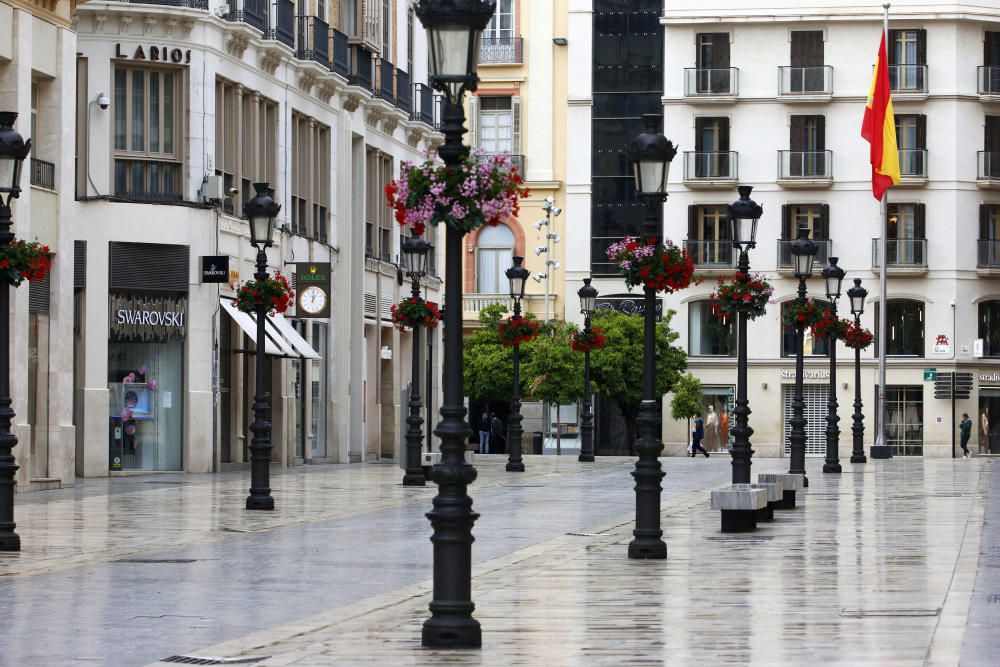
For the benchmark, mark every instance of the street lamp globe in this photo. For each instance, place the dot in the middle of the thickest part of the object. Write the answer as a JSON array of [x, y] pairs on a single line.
[[804, 251], [517, 275], [651, 153], [834, 276], [454, 35], [415, 253], [857, 295], [262, 210], [743, 216], [588, 298], [13, 150]]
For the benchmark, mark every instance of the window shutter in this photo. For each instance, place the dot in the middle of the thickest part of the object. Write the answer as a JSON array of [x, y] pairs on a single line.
[[723, 134], [720, 46], [983, 214], [149, 266], [918, 220], [692, 222], [796, 136], [921, 132], [79, 265], [699, 131], [921, 47], [891, 46], [786, 222], [992, 138], [473, 121], [991, 55], [515, 110], [39, 292], [823, 232], [820, 133], [798, 48]]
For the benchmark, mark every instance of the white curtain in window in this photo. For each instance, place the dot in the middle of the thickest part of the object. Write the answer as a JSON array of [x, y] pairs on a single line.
[[493, 258]]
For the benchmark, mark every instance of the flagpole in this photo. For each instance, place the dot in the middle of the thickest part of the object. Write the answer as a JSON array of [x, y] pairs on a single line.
[[881, 450]]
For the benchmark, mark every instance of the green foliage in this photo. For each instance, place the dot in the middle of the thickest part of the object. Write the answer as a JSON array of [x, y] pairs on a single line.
[[553, 372], [489, 366], [687, 397]]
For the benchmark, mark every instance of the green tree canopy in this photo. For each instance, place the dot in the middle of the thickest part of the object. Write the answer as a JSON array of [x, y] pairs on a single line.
[[687, 397], [553, 372], [489, 366]]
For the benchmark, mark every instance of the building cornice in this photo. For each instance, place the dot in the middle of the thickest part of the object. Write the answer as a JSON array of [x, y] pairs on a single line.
[[826, 14], [63, 18]]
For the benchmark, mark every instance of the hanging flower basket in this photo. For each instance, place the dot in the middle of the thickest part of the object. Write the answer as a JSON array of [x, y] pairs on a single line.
[[414, 311], [517, 330], [583, 341], [274, 292], [663, 268], [801, 314], [857, 337], [481, 190], [830, 327], [20, 261], [744, 293]]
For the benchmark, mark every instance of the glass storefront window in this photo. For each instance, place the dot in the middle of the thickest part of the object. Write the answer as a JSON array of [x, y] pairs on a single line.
[[716, 408], [318, 376], [904, 419], [989, 327], [709, 335], [988, 431], [810, 346]]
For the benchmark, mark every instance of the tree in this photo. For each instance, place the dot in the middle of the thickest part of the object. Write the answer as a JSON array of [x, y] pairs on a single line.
[[553, 372], [687, 397], [617, 368], [489, 366]]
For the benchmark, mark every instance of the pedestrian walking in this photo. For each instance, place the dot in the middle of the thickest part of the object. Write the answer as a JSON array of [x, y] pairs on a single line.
[[497, 438], [697, 435], [483, 426], [965, 431]]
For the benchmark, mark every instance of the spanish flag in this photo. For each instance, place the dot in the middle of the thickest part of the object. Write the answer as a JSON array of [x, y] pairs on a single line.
[[879, 128]]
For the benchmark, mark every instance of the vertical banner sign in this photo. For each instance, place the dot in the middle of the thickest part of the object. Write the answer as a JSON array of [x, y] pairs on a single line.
[[312, 289]]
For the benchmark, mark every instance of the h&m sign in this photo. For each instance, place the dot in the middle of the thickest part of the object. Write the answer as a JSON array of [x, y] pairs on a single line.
[[147, 318], [155, 54]]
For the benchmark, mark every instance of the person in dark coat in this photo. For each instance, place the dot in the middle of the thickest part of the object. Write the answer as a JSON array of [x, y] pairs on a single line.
[[697, 435], [483, 426], [497, 437], [965, 430]]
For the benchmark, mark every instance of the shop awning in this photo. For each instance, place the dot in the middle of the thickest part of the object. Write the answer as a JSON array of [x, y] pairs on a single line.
[[281, 339]]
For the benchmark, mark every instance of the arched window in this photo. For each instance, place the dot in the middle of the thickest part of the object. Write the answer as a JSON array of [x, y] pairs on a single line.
[[494, 250], [708, 334], [989, 327], [811, 347], [904, 323]]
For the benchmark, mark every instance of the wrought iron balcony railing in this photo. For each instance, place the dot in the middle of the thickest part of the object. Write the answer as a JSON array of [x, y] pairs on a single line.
[[710, 254], [501, 51], [385, 80], [908, 78], [785, 252], [700, 82], [900, 253], [715, 165], [314, 40], [253, 13], [43, 174], [284, 27], [816, 165], [988, 256], [361, 68], [805, 80], [515, 160], [404, 92], [423, 104], [191, 4], [341, 63]]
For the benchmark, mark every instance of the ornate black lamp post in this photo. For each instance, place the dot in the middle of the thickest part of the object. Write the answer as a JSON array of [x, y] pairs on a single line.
[[13, 150], [415, 250], [454, 31], [804, 252], [834, 276], [650, 154], [588, 304], [517, 275], [743, 216], [857, 295], [261, 210]]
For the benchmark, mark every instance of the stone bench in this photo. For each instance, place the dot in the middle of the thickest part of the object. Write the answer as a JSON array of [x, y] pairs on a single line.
[[739, 505], [775, 493], [789, 484]]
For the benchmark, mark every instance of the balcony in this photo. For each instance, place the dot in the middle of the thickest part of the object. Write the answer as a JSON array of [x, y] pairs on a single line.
[[719, 84], [711, 256], [404, 92], [385, 80], [341, 63], [913, 166], [43, 174], [805, 83], [284, 27], [988, 257], [314, 40], [909, 80], [501, 51], [361, 68], [804, 169], [989, 82], [712, 169], [516, 161], [423, 104], [902, 255], [988, 172], [190, 4], [785, 262], [254, 14], [531, 303]]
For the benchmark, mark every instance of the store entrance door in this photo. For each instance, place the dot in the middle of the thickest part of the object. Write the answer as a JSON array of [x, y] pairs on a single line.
[[988, 431], [816, 396]]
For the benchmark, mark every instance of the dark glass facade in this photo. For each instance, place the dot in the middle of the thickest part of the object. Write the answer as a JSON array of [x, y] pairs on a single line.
[[627, 82]]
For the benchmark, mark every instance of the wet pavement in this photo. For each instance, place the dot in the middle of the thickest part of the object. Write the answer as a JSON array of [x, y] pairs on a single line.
[[876, 567]]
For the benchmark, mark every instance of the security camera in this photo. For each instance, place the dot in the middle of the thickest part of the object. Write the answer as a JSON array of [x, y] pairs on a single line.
[[550, 200], [232, 192], [540, 224], [539, 250], [556, 211], [539, 277], [554, 263], [953, 303], [103, 100], [555, 238]]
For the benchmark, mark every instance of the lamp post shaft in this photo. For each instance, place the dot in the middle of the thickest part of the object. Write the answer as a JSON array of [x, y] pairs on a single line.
[[587, 420], [451, 624], [858, 427], [832, 463], [515, 461], [260, 446], [414, 475], [742, 452], [797, 437], [9, 539]]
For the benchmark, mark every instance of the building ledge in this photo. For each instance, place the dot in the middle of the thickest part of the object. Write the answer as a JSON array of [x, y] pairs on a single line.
[[909, 96], [803, 183], [988, 183], [707, 99], [711, 183], [988, 271], [912, 182], [714, 270], [903, 270], [793, 98], [989, 98]]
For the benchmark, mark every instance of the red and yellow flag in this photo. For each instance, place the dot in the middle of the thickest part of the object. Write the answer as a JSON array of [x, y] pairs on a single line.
[[879, 128]]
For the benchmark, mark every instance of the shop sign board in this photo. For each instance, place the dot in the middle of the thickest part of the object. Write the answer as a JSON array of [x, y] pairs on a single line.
[[807, 375], [215, 269], [930, 374], [989, 378], [629, 305], [312, 289], [147, 318]]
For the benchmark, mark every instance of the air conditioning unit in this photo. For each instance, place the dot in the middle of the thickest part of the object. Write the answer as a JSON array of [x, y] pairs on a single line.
[[211, 189]]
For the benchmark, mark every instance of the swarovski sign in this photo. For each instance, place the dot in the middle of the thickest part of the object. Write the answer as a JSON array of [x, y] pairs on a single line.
[[147, 318]]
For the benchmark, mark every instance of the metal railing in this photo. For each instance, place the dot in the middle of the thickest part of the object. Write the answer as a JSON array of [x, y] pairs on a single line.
[[43, 174], [913, 162], [908, 78], [404, 92], [989, 166], [361, 68], [254, 13], [501, 51], [805, 80], [515, 160], [706, 254], [314, 40], [423, 107], [716, 165], [989, 80], [475, 302], [191, 4], [284, 28], [700, 81], [900, 253], [805, 165], [785, 252], [341, 63], [384, 80], [988, 256]]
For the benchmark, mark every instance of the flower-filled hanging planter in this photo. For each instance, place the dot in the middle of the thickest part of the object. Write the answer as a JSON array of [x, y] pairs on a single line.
[[857, 337], [801, 313], [830, 327], [274, 292], [481, 190], [582, 340], [414, 311], [748, 294], [663, 268], [20, 261], [517, 330]]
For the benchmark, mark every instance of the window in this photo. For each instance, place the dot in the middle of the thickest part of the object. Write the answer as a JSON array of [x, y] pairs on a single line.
[[908, 60], [349, 17], [712, 63], [711, 141], [494, 253], [321, 9], [34, 117], [246, 136], [709, 240], [409, 42], [904, 328], [811, 347], [911, 139], [905, 240], [708, 334], [989, 235], [807, 74], [717, 404], [816, 218], [501, 26], [310, 177], [147, 119], [807, 143], [386, 30], [989, 327], [990, 167], [904, 419], [989, 81], [496, 124], [378, 216]]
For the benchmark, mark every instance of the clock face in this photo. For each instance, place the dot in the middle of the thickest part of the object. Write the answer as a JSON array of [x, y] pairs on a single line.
[[312, 300]]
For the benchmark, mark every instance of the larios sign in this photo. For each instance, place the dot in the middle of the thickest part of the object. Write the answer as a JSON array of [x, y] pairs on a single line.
[[147, 318], [155, 54]]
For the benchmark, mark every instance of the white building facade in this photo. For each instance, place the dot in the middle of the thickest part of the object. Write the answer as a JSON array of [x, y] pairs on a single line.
[[774, 99]]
